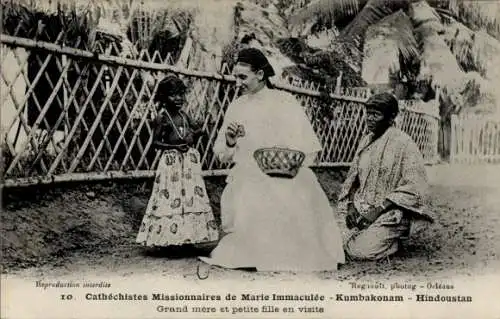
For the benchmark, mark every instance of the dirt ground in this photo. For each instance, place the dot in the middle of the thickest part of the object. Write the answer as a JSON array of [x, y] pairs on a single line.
[[75, 229]]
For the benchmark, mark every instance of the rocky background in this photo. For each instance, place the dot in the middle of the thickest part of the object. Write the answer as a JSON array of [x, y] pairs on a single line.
[[414, 49]]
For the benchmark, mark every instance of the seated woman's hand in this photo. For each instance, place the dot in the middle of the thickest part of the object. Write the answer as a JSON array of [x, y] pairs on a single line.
[[362, 223], [354, 219], [374, 212], [351, 218]]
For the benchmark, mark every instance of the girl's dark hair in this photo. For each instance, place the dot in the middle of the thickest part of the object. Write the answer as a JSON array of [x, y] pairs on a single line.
[[169, 85]]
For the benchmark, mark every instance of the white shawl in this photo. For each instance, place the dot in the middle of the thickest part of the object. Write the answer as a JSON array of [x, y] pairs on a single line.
[[271, 118]]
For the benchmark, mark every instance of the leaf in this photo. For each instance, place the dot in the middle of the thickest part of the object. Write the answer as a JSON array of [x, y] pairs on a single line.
[[329, 11], [372, 12], [476, 15], [401, 31], [391, 43]]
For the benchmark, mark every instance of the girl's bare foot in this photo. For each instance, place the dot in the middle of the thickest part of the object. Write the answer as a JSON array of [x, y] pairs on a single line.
[[203, 270]]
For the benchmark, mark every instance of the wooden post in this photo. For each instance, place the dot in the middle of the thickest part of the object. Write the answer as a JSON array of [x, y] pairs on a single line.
[[184, 56], [65, 96], [453, 139], [339, 83], [439, 123]]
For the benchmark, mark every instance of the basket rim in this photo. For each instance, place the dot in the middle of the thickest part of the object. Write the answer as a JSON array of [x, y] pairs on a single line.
[[278, 149], [266, 170]]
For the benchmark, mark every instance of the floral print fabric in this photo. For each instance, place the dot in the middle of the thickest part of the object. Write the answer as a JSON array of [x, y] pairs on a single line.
[[178, 211]]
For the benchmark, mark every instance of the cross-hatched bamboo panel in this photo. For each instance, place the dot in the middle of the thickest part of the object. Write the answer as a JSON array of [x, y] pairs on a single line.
[[423, 129], [69, 112], [475, 139]]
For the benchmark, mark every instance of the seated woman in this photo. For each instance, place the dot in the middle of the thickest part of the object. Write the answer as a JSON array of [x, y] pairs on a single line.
[[384, 192], [178, 211], [271, 223]]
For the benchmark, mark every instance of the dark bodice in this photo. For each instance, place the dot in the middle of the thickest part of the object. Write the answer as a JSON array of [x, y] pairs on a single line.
[[176, 130]]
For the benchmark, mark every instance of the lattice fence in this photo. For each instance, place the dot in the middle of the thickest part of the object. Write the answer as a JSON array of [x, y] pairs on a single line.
[[475, 139], [421, 121], [90, 116]]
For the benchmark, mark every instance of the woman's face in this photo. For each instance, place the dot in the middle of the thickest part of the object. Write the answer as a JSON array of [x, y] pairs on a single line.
[[375, 120], [247, 80]]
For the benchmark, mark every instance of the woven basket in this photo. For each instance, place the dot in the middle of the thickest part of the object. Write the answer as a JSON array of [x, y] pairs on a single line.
[[279, 162]]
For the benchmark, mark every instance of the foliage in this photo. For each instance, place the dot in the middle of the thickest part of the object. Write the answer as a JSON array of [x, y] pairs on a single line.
[[68, 27], [422, 50], [355, 16], [146, 28], [336, 13], [319, 66], [475, 15], [164, 26]]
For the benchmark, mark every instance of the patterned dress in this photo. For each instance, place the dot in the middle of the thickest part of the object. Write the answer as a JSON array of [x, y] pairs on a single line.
[[178, 211]]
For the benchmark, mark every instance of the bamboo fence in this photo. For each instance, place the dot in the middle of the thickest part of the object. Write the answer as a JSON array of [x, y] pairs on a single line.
[[92, 119], [475, 139]]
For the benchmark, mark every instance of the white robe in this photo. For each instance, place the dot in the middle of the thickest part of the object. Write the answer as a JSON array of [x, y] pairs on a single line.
[[274, 224]]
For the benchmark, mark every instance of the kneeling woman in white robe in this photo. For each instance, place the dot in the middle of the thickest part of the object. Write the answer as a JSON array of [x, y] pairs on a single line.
[[271, 224]]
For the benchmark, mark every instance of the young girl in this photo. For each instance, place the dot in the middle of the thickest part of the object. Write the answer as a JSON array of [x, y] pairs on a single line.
[[179, 210]]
